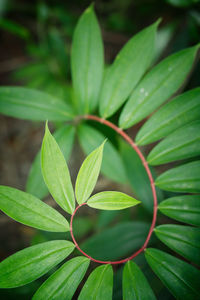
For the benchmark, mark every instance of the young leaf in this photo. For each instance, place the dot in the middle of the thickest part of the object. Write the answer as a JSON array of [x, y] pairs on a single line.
[[173, 115], [29, 104], [99, 284], [179, 277], [33, 262], [64, 282], [31, 211], [56, 174], [110, 200], [129, 66], [135, 284], [182, 239], [185, 178], [35, 185], [88, 175], [182, 208], [157, 86], [112, 165], [181, 144], [87, 61]]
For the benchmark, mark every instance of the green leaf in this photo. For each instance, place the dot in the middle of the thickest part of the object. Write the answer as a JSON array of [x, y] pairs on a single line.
[[112, 165], [88, 175], [29, 104], [182, 239], [185, 178], [157, 86], [135, 284], [35, 185], [182, 3], [129, 66], [99, 284], [33, 262], [179, 277], [56, 174], [182, 208], [14, 28], [87, 61], [117, 242], [111, 200], [64, 282], [31, 211], [181, 144], [181, 110]]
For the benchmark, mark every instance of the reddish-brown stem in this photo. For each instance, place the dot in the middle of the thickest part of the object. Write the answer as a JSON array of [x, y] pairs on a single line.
[[135, 147]]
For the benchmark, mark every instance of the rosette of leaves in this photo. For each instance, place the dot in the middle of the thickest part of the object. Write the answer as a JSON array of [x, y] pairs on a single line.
[[134, 90]]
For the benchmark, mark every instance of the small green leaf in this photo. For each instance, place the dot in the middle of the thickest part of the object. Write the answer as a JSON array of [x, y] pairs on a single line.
[[179, 277], [182, 3], [182, 239], [14, 28], [64, 282], [33, 262], [110, 200], [135, 284], [173, 115], [29, 104], [99, 284], [87, 61], [56, 174], [157, 86], [88, 174], [126, 71], [182, 208], [112, 165], [185, 178], [35, 185], [31, 211], [181, 144]]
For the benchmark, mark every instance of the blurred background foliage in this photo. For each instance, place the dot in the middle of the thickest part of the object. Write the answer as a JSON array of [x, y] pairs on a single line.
[[35, 39]]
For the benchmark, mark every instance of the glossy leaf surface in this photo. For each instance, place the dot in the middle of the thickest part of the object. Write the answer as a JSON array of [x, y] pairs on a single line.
[[157, 86], [99, 284], [56, 174], [31, 211], [29, 104], [179, 111], [185, 178], [64, 282], [111, 200], [135, 284], [87, 61], [33, 262], [184, 240], [127, 69], [178, 276], [182, 208]]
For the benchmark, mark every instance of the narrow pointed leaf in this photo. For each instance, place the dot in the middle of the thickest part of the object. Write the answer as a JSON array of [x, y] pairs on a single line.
[[181, 144], [181, 110], [56, 174], [35, 184], [185, 178], [112, 165], [182, 208], [29, 104], [110, 200], [184, 240], [128, 68], [64, 282], [88, 174], [87, 61], [157, 86], [33, 262], [178, 276], [31, 211], [99, 284], [135, 284]]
